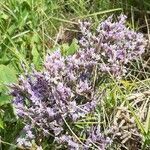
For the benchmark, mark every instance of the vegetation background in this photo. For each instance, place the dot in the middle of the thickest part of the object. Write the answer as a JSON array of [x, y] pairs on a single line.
[[31, 28]]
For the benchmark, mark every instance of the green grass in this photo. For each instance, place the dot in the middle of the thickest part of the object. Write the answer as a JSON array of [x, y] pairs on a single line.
[[31, 28]]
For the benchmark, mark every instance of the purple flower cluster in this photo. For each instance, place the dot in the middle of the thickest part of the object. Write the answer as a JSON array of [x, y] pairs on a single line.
[[94, 140], [113, 45], [65, 90]]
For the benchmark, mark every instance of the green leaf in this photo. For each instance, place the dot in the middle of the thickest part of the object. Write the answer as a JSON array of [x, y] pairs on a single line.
[[4, 99], [65, 48], [35, 38], [1, 88], [5, 60], [70, 50], [1, 124], [4, 16], [7, 75], [36, 56], [73, 47]]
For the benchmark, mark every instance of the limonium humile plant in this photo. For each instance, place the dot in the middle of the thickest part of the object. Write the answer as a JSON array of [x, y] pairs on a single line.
[[50, 101]]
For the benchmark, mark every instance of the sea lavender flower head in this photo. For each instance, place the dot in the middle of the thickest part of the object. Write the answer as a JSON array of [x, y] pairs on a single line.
[[65, 90], [114, 43], [45, 99]]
